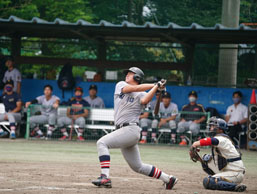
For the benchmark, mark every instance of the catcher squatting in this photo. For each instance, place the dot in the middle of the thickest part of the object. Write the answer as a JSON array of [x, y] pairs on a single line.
[[129, 100], [224, 166]]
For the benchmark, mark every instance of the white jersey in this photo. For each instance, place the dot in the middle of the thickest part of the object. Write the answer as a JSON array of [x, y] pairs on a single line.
[[171, 110], [47, 107], [97, 102], [228, 151], [127, 107], [237, 113], [13, 75]]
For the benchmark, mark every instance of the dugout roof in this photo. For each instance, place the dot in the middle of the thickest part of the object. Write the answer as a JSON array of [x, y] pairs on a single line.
[[188, 36]]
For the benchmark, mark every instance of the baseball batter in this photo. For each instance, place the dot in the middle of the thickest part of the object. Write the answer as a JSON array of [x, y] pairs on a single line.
[[129, 100], [224, 166]]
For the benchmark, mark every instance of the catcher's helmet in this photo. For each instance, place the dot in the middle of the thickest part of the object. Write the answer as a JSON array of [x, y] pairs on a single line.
[[139, 74], [217, 123]]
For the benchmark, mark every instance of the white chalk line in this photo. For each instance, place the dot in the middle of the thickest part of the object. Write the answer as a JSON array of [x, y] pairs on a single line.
[[43, 188]]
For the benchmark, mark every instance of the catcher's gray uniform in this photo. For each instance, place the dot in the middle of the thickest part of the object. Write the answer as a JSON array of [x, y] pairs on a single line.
[[13, 75], [127, 109], [48, 112]]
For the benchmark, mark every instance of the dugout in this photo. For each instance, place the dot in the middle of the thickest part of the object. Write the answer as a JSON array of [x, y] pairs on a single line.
[[105, 38]]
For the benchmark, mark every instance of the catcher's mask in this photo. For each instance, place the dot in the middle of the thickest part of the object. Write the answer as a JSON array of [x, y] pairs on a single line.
[[213, 124]]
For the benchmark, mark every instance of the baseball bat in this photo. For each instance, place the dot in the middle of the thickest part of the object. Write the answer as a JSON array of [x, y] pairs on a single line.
[[157, 105]]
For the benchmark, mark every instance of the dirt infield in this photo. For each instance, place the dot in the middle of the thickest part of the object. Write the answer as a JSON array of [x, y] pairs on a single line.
[[68, 167]]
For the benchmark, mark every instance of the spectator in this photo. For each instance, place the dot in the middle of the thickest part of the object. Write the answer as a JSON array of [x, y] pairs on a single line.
[[98, 77], [48, 111], [145, 120], [168, 113], [76, 113], [13, 74], [191, 122], [237, 115], [12, 103], [92, 99]]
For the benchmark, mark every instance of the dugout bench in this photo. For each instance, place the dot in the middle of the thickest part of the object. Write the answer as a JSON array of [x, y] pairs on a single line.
[[98, 119]]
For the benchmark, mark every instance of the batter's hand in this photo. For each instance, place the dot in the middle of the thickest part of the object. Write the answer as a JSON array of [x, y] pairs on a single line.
[[161, 85]]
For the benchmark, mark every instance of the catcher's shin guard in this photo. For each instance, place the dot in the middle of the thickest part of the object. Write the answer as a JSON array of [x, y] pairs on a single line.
[[103, 181], [218, 184]]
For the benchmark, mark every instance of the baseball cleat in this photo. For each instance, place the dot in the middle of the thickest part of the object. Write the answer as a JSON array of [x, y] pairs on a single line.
[[143, 141], [103, 181], [3, 134], [171, 183], [240, 188], [183, 143], [80, 138], [63, 137], [12, 136]]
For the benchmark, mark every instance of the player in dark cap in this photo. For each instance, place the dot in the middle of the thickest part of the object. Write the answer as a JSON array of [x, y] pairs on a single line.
[[191, 122], [76, 113], [12, 103], [94, 100], [168, 113]]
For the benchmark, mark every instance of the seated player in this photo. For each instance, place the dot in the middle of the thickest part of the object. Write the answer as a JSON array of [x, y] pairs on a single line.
[[224, 166], [146, 119], [94, 100], [145, 124], [12, 103], [191, 122], [48, 111], [237, 115], [76, 114], [168, 113]]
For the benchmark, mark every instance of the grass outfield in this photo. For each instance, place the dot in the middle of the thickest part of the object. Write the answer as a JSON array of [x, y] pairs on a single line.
[[51, 155]]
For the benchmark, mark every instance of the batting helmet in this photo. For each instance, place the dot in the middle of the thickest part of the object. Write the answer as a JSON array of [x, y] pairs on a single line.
[[217, 123], [139, 74]]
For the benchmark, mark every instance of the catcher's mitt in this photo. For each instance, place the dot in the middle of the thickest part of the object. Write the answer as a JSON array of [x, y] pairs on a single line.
[[193, 153]]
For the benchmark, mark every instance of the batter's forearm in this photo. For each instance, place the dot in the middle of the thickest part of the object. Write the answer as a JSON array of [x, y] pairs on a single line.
[[148, 97], [137, 88]]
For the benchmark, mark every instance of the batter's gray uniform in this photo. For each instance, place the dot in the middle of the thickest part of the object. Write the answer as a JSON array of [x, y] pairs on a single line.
[[127, 109], [48, 112], [171, 110], [96, 102], [13, 75]]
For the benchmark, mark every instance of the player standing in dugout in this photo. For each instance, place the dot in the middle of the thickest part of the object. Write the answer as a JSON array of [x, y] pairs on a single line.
[[129, 100]]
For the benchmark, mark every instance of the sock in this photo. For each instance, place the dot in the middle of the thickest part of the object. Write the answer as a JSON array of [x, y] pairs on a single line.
[[144, 134], [49, 132], [173, 137], [164, 177], [158, 174], [80, 132], [105, 164], [39, 132], [65, 134], [153, 135], [12, 127]]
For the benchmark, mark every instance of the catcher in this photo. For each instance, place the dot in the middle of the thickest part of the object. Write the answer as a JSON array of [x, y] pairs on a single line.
[[224, 166]]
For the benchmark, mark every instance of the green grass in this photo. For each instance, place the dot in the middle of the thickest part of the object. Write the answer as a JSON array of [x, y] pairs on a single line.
[[54, 151]]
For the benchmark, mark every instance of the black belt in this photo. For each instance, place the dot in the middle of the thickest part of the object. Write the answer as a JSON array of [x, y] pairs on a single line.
[[234, 159], [125, 124]]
